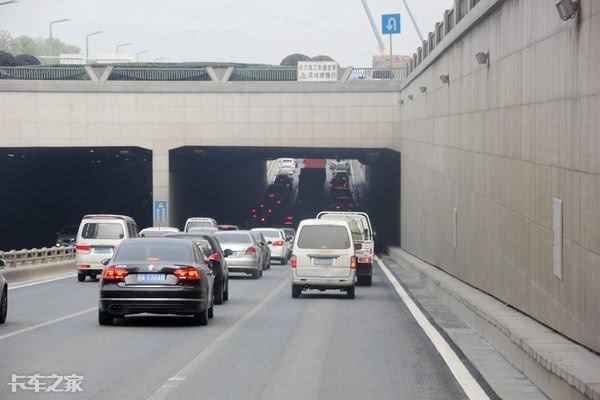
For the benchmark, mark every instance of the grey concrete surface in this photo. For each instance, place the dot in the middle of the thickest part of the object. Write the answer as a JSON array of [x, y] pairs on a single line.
[[41, 271], [321, 346]]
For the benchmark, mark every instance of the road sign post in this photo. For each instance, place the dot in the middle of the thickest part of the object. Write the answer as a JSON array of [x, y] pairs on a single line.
[[390, 25]]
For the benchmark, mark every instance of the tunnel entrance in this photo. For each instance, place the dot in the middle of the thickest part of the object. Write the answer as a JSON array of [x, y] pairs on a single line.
[[47, 189], [231, 184]]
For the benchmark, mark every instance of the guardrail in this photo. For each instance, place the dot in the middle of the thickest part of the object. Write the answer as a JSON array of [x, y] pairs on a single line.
[[381, 73], [44, 255], [159, 74], [44, 73], [264, 74]]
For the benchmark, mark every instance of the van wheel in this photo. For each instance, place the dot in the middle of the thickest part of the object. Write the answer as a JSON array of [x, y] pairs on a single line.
[[80, 277], [296, 291], [350, 292], [364, 281], [105, 318]]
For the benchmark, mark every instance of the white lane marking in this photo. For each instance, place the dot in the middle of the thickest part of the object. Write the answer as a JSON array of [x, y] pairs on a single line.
[[164, 391], [468, 383], [44, 324], [40, 282]]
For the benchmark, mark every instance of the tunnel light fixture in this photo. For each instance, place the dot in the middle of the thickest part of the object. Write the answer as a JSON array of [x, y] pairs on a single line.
[[483, 58], [445, 79], [10, 155], [423, 89], [124, 152], [92, 150], [567, 9], [411, 97]]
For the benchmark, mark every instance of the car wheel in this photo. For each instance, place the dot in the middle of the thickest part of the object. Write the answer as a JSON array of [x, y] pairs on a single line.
[[350, 292], [80, 277], [364, 280], [218, 296], [105, 318], [226, 292], [255, 274], [211, 311], [202, 318], [3, 306], [296, 291]]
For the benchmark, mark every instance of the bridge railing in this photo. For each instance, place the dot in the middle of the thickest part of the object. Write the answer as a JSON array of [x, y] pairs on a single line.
[[44, 73], [382, 73], [159, 74], [264, 74], [15, 258]]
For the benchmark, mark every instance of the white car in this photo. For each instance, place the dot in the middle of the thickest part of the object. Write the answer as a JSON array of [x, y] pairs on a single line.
[[97, 239], [200, 222], [278, 243], [323, 257], [287, 166], [158, 231]]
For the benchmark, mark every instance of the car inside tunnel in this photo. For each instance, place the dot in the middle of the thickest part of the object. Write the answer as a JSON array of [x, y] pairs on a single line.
[[231, 184], [47, 189]]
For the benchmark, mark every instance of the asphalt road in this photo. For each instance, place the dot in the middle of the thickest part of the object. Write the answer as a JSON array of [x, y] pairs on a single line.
[[262, 344]]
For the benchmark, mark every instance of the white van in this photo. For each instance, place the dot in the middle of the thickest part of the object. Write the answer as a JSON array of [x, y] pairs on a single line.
[[97, 239], [200, 222], [364, 242], [323, 257]]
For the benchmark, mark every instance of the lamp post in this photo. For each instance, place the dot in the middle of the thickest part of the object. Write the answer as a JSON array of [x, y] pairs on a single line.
[[57, 21], [137, 55], [87, 44], [122, 45]]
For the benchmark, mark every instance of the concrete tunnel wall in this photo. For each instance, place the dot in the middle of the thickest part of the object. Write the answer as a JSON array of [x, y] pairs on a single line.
[[498, 144]]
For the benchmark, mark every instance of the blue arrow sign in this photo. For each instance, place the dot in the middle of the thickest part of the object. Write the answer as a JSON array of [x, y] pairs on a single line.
[[390, 24], [161, 212]]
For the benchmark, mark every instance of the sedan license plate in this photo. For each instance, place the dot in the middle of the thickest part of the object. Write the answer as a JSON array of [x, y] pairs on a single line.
[[323, 261], [103, 250], [151, 278]]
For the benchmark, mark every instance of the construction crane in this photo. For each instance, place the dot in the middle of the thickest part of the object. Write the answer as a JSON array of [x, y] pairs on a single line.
[[382, 49]]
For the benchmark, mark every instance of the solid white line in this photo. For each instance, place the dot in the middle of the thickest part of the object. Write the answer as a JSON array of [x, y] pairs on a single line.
[[44, 324], [164, 391], [468, 383], [40, 282]]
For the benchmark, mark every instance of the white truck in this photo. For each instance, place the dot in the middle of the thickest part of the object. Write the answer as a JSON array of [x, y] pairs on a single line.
[[364, 243]]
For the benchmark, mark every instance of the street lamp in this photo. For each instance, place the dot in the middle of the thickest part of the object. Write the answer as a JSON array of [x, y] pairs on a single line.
[[5, 3], [87, 43], [123, 45], [483, 58], [567, 9], [137, 55], [58, 21]]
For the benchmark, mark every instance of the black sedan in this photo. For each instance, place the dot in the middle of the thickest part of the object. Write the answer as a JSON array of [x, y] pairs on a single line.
[[216, 261], [3, 295], [157, 276]]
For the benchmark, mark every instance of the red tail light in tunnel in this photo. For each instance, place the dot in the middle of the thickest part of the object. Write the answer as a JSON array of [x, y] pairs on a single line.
[[83, 247], [294, 262]]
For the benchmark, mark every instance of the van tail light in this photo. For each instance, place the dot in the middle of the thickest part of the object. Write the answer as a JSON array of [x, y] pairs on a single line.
[[294, 262], [83, 266], [84, 248], [250, 251], [353, 262], [114, 274], [187, 274], [278, 243], [215, 257]]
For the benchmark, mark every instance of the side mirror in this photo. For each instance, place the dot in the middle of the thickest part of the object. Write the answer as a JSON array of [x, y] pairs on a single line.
[[227, 252], [105, 262], [270, 242], [262, 244], [2, 264]]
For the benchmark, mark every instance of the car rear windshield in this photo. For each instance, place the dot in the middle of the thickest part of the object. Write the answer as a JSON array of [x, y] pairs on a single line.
[[271, 234], [233, 237], [102, 230], [323, 237], [175, 251], [199, 224]]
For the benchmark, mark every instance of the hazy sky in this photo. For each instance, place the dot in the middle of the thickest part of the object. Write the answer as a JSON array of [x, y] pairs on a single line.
[[260, 31]]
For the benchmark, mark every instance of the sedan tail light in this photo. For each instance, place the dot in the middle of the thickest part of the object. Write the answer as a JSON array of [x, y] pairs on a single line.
[[278, 243], [251, 251], [215, 257], [353, 262], [294, 262], [187, 274], [114, 274]]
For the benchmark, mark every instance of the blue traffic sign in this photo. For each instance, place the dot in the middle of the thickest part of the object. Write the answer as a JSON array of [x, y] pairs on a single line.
[[161, 212], [390, 24]]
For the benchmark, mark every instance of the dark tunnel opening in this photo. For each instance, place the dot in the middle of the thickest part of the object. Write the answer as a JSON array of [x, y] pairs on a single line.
[[227, 183], [46, 189]]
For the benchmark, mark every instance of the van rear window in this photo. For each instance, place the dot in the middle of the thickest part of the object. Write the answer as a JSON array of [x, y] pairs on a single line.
[[102, 230], [323, 237]]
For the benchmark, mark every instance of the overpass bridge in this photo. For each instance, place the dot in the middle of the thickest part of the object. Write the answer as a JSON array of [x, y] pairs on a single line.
[[490, 133]]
